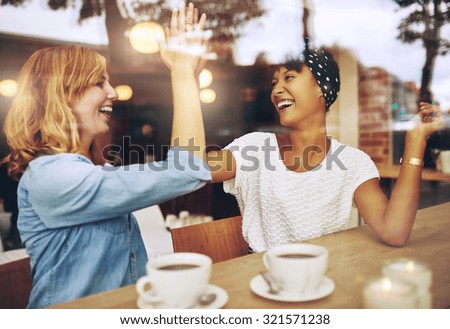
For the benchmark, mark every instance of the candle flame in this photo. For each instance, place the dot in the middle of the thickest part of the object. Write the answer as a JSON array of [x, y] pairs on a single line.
[[386, 284], [410, 266]]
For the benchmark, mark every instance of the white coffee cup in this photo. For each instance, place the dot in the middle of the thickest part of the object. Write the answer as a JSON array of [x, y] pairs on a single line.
[[297, 268], [177, 279]]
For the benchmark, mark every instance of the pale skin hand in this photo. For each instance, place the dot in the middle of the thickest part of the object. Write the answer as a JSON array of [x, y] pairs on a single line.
[[187, 129], [183, 22]]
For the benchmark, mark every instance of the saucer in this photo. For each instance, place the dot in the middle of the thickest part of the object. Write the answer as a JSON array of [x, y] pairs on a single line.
[[260, 287], [221, 300]]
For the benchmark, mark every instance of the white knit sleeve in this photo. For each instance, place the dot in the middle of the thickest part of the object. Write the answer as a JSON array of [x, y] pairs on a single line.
[[367, 170], [245, 150]]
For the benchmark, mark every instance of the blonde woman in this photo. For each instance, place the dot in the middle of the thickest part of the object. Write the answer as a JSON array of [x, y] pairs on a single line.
[[75, 215]]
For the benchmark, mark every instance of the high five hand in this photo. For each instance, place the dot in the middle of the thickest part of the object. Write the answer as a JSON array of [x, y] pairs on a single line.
[[187, 41]]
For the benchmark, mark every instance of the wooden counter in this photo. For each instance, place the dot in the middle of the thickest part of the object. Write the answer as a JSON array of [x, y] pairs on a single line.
[[354, 256], [392, 171]]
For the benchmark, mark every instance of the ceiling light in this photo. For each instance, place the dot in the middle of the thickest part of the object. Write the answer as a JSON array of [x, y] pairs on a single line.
[[8, 88], [125, 92], [207, 95], [205, 78], [144, 37]]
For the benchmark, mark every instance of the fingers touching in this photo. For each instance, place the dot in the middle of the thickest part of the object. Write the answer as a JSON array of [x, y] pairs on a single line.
[[430, 116], [185, 19]]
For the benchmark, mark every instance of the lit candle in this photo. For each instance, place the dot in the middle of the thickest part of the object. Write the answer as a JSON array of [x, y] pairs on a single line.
[[414, 272], [389, 293]]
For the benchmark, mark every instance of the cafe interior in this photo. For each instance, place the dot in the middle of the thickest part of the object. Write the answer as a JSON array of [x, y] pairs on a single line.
[[381, 84]]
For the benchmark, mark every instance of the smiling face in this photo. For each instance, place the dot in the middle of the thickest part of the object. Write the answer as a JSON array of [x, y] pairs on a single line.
[[296, 96], [93, 109]]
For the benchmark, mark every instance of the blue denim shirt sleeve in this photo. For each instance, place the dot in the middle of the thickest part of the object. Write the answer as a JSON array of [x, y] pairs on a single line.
[[69, 190]]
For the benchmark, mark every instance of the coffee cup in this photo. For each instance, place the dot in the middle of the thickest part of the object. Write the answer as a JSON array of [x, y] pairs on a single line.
[[177, 280], [297, 268]]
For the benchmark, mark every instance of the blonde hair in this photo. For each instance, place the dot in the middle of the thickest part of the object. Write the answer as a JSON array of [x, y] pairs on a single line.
[[40, 120]]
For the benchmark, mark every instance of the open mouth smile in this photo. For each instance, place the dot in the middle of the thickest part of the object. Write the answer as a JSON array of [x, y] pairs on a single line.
[[284, 104], [105, 109]]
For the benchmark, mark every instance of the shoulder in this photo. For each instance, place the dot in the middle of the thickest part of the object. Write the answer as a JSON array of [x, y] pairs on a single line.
[[252, 139], [58, 159], [57, 167], [349, 153], [356, 162]]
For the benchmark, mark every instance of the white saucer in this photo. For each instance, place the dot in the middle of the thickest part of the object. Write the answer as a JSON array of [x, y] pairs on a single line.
[[221, 300], [260, 287]]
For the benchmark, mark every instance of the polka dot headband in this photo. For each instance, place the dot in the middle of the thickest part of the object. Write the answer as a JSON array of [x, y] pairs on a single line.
[[326, 72]]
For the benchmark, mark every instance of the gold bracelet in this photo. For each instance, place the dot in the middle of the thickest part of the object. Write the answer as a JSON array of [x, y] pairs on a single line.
[[414, 161]]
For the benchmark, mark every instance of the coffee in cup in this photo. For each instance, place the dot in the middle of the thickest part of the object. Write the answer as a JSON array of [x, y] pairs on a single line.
[[297, 268], [177, 280]]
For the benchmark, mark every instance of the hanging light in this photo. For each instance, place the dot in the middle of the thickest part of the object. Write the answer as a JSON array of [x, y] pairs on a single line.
[[125, 92], [8, 87], [144, 37], [207, 95], [142, 15], [205, 78]]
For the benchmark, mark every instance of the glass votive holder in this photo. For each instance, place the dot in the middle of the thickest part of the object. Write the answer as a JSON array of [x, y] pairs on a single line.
[[384, 293], [415, 272]]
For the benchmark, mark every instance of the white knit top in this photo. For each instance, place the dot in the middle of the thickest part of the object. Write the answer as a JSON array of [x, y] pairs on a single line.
[[282, 206]]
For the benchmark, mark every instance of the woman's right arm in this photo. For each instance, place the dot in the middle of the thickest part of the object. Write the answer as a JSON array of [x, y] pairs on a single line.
[[222, 165], [184, 35], [67, 189]]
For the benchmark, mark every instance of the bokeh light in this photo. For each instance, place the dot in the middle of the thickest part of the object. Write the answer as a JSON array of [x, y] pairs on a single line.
[[205, 78], [125, 92], [144, 37], [8, 88], [207, 95]]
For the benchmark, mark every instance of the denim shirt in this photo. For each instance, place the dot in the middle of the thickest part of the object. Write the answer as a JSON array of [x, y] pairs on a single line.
[[76, 223]]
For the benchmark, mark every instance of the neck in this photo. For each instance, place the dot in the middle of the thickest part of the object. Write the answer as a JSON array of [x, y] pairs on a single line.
[[312, 136], [85, 146], [303, 150]]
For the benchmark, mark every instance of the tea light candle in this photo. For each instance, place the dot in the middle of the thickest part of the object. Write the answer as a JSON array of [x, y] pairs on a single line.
[[414, 272], [389, 293]]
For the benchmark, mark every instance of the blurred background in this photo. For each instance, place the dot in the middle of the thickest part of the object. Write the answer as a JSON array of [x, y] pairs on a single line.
[[391, 53]]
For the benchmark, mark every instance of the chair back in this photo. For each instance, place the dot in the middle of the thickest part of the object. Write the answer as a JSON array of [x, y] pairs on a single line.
[[220, 239], [15, 283]]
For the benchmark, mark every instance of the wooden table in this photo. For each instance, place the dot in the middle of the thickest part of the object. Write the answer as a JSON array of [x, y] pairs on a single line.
[[354, 256], [428, 174]]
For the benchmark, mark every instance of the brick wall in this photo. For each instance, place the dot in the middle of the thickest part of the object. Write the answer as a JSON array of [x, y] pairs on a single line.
[[375, 117]]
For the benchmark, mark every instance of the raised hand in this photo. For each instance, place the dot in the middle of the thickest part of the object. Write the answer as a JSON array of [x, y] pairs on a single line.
[[429, 119], [186, 41]]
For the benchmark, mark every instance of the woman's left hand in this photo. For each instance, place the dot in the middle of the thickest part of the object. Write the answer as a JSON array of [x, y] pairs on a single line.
[[428, 120]]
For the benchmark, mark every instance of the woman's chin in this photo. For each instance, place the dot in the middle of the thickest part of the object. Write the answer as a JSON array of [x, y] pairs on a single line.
[[285, 123]]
